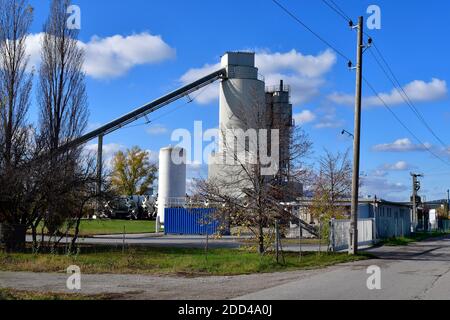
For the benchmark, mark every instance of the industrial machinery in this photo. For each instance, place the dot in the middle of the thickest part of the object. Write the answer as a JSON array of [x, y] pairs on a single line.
[[130, 208]]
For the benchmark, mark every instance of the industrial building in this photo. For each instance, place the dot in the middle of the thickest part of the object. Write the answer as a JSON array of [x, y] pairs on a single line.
[[245, 103], [391, 219]]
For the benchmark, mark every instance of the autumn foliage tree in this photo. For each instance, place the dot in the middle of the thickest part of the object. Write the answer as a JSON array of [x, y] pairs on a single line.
[[333, 184], [133, 173]]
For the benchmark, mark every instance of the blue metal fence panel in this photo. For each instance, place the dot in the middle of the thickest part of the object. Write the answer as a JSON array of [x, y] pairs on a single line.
[[191, 221]]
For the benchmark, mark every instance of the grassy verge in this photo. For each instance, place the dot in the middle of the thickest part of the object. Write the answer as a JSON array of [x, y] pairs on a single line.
[[11, 294], [165, 261], [421, 236], [105, 227]]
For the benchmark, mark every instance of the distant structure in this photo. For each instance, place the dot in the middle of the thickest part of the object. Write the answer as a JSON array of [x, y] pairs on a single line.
[[279, 116]]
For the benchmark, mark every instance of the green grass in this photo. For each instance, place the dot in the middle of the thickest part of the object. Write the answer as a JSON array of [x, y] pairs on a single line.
[[105, 227], [12, 294], [165, 261], [417, 237], [99, 227]]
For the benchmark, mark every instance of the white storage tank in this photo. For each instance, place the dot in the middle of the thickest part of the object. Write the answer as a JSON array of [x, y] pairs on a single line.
[[172, 179]]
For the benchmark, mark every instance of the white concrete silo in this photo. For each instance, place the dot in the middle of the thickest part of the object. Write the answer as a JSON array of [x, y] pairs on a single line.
[[242, 94], [242, 107], [172, 179]]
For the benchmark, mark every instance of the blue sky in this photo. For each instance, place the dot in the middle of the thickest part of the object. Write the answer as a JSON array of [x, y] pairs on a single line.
[[138, 50]]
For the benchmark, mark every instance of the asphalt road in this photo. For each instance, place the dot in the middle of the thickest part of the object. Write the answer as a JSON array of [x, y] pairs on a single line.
[[419, 271]]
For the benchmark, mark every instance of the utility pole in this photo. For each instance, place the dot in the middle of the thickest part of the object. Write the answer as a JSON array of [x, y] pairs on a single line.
[[99, 171], [353, 245], [448, 203], [415, 188]]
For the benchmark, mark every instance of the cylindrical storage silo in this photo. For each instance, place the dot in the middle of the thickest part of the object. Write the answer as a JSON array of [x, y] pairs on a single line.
[[242, 107], [242, 94], [172, 179]]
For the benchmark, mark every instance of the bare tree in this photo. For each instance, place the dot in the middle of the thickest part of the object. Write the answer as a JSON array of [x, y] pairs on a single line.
[[250, 192], [62, 90], [63, 117], [15, 90], [335, 176]]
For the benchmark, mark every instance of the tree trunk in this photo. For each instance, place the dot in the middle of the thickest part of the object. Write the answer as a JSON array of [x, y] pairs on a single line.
[[34, 235], [261, 248], [73, 244]]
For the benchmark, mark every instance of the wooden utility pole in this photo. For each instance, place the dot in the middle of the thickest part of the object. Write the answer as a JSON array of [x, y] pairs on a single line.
[[99, 172], [448, 203], [353, 245], [415, 188]]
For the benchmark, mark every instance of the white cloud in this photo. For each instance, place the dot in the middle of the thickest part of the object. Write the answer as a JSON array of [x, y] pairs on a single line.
[[329, 120], [109, 150], [304, 117], [398, 166], [157, 129], [383, 188], [417, 91], [33, 45], [401, 145], [113, 56], [304, 73], [302, 89], [379, 173], [294, 62], [211, 92]]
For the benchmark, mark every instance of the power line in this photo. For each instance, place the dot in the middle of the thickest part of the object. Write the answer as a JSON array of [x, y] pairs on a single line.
[[390, 75], [364, 79], [336, 9], [342, 11], [403, 124], [293, 16], [436, 174], [396, 83]]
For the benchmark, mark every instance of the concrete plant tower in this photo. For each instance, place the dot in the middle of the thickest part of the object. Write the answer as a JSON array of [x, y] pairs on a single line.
[[242, 106]]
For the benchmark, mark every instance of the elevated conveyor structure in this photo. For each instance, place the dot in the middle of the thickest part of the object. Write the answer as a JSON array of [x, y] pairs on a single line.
[[138, 114]]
